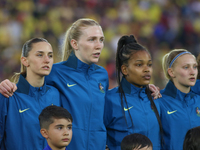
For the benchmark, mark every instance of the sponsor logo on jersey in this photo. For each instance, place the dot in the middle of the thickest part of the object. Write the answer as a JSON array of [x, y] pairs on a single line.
[[126, 109], [21, 111], [171, 112], [70, 85]]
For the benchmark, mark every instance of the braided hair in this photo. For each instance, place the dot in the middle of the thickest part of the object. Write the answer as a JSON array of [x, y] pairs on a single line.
[[127, 46]]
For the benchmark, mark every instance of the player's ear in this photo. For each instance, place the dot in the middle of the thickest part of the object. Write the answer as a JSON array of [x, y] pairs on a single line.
[[24, 61], [74, 44], [171, 72], [124, 70], [44, 133]]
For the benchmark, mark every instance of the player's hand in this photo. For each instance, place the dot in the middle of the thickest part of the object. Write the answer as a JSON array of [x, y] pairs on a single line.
[[7, 88], [155, 91]]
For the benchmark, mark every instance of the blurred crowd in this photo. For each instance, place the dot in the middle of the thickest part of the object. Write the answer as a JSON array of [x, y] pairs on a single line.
[[159, 25]]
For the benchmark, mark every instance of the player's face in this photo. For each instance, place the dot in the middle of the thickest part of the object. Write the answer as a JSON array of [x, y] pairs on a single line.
[[184, 72], [90, 44], [139, 69], [40, 60]]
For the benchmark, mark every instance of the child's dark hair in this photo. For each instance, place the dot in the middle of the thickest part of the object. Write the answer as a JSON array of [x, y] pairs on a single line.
[[192, 139], [50, 113], [127, 46], [135, 140]]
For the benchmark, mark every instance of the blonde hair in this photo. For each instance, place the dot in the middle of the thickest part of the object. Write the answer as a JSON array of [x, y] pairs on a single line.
[[27, 47], [74, 32], [167, 59]]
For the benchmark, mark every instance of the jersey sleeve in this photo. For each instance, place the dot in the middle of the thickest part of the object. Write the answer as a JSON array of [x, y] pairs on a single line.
[[107, 110], [3, 114]]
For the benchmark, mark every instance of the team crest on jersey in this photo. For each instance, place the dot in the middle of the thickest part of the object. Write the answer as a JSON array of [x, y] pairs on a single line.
[[101, 88], [198, 111]]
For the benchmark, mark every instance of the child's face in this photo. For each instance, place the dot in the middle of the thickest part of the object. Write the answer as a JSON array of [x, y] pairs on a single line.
[[59, 133]]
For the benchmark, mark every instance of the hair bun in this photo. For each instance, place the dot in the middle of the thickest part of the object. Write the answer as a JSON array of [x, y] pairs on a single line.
[[130, 39]]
